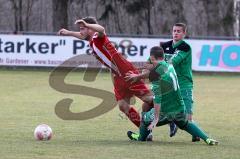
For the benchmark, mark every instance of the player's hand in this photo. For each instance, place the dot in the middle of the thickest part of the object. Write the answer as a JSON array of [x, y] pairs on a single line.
[[130, 76], [81, 22], [64, 32], [153, 124], [149, 66]]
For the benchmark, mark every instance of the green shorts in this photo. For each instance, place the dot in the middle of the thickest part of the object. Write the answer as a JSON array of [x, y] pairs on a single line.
[[187, 95]]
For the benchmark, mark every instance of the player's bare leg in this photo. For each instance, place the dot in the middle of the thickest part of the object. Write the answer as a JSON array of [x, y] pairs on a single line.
[[147, 102], [130, 111]]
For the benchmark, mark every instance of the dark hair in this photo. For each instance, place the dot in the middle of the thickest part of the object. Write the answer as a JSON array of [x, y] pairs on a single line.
[[157, 52], [183, 25], [90, 20]]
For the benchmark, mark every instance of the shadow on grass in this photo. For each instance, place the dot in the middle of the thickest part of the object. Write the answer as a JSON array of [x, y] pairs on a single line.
[[111, 143]]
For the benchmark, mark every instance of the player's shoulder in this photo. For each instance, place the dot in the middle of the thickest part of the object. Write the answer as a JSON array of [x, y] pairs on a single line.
[[184, 47], [162, 66], [98, 35], [166, 44], [163, 63]]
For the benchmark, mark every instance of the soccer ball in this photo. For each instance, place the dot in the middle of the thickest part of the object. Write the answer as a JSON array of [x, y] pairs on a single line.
[[43, 132]]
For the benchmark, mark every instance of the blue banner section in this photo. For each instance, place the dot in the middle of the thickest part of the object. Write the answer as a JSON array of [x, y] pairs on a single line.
[[222, 56]]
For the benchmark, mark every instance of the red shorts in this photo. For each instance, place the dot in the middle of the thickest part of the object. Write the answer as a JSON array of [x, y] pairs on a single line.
[[125, 89]]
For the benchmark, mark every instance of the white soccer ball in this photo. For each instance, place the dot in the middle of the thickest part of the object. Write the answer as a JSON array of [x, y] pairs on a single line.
[[43, 132]]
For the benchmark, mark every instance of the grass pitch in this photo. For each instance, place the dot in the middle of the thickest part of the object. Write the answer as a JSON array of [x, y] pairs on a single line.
[[27, 100]]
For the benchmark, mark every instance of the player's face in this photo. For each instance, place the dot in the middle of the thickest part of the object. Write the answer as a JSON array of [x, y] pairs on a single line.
[[178, 33], [84, 32], [153, 60]]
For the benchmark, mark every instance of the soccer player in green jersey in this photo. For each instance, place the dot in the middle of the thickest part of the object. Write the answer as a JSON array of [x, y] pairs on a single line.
[[168, 103], [179, 53]]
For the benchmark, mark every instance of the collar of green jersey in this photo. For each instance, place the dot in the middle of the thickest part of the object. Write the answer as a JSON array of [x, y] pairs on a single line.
[[177, 44], [158, 64]]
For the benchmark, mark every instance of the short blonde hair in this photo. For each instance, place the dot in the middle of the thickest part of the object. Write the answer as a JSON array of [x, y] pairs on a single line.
[[183, 25]]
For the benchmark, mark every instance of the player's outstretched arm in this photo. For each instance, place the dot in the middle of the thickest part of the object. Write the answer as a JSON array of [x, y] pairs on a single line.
[[130, 76], [133, 77], [66, 32], [153, 124], [98, 28]]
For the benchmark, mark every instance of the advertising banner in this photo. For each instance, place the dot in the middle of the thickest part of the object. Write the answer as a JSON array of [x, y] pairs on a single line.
[[51, 51]]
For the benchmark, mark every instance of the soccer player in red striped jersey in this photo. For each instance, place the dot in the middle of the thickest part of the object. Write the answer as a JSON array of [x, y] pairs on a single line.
[[107, 54]]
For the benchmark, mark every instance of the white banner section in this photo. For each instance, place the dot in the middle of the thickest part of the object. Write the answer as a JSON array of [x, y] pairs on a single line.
[[51, 51]]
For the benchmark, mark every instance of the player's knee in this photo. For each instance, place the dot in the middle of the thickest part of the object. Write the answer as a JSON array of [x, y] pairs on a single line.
[[146, 107], [182, 124], [148, 103], [124, 107]]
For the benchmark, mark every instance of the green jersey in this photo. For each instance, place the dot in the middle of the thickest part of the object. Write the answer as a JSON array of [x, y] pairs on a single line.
[[180, 55], [165, 88]]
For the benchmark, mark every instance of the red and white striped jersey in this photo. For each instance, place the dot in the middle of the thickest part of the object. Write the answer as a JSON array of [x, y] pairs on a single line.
[[105, 52]]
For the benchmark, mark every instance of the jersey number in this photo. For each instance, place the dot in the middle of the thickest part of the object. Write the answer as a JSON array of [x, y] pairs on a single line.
[[175, 82]]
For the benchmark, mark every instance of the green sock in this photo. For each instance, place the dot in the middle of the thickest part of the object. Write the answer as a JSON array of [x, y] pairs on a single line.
[[143, 132], [194, 130]]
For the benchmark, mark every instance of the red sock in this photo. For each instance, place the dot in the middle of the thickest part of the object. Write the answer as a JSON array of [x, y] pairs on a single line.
[[134, 116]]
